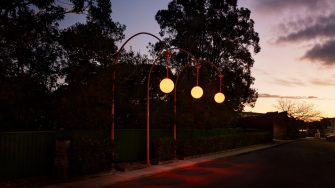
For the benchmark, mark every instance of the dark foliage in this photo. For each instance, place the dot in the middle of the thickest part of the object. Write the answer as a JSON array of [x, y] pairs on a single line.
[[203, 112], [36, 56], [90, 152], [24, 104], [201, 145], [28, 40], [222, 33], [89, 106], [163, 149], [90, 46]]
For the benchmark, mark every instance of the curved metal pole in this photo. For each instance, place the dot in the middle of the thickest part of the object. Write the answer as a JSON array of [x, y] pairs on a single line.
[[117, 54], [217, 69], [189, 54], [175, 102], [175, 92], [148, 117], [212, 64], [116, 58], [113, 109], [148, 92], [148, 106], [148, 114]]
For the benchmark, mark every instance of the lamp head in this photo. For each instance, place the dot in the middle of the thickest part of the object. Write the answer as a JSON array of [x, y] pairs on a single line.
[[219, 97], [197, 92], [166, 85]]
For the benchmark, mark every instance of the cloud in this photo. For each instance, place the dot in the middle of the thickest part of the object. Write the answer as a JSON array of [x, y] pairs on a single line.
[[324, 82], [319, 28], [261, 71], [288, 82], [308, 29], [274, 6], [322, 53], [266, 95]]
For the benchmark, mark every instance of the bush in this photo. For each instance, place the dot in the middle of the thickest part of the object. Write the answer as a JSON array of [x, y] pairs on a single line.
[[162, 149], [196, 146], [89, 153]]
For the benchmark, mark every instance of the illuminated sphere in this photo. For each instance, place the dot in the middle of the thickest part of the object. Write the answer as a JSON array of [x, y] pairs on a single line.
[[219, 97], [166, 85], [197, 92]]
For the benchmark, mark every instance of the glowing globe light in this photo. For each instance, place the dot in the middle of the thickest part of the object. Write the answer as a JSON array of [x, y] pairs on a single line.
[[219, 97], [166, 85], [197, 92]]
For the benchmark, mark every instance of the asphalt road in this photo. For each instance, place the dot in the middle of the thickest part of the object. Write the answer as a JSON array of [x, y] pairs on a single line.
[[301, 164]]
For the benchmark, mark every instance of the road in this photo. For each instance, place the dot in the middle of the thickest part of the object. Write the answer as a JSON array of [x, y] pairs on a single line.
[[301, 164]]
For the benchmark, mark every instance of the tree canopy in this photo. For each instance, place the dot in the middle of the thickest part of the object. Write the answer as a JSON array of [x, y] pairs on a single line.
[[37, 55], [28, 37], [51, 75], [90, 46], [220, 32], [32, 42], [300, 110]]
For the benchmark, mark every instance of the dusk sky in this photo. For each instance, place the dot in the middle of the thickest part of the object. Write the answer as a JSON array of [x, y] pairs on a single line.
[[297, 59]]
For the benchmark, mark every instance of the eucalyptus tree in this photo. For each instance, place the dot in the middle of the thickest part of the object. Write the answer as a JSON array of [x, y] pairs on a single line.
[[222, 33]]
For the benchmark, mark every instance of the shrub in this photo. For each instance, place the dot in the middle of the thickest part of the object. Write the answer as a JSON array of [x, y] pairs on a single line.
[[162, 149], [196, 146], [89, 153]]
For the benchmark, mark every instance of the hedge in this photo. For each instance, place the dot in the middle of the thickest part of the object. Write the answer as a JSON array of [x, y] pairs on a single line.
[[163, 149]]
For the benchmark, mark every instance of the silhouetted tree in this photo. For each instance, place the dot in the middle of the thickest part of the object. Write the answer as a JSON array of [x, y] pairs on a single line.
[[23, 104], [222, 33], [89, 46], [35, 52], [204, 112], [28, 35], [30, 61], [299, 110], [89, 106]]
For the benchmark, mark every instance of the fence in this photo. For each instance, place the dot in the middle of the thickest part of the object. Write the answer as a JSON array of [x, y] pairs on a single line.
[[32, 153], [26, 153]]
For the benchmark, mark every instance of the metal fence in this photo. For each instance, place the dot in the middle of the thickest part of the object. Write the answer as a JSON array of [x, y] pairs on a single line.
[[26, 153], [32, 153]]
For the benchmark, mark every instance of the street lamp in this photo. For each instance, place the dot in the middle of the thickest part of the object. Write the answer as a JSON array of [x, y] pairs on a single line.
[[197, 91], [167, 85], [219, 97]]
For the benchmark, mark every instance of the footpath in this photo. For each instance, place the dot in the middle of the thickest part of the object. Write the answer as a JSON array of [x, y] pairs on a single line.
[[114, 177]]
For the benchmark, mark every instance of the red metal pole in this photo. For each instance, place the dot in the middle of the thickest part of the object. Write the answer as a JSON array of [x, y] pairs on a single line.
[[147, 129], [175, 113], [220, 78], [148, 118], [113, 109]]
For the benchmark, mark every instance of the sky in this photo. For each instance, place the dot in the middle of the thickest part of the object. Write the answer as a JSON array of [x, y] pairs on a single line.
[[297, 37]]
